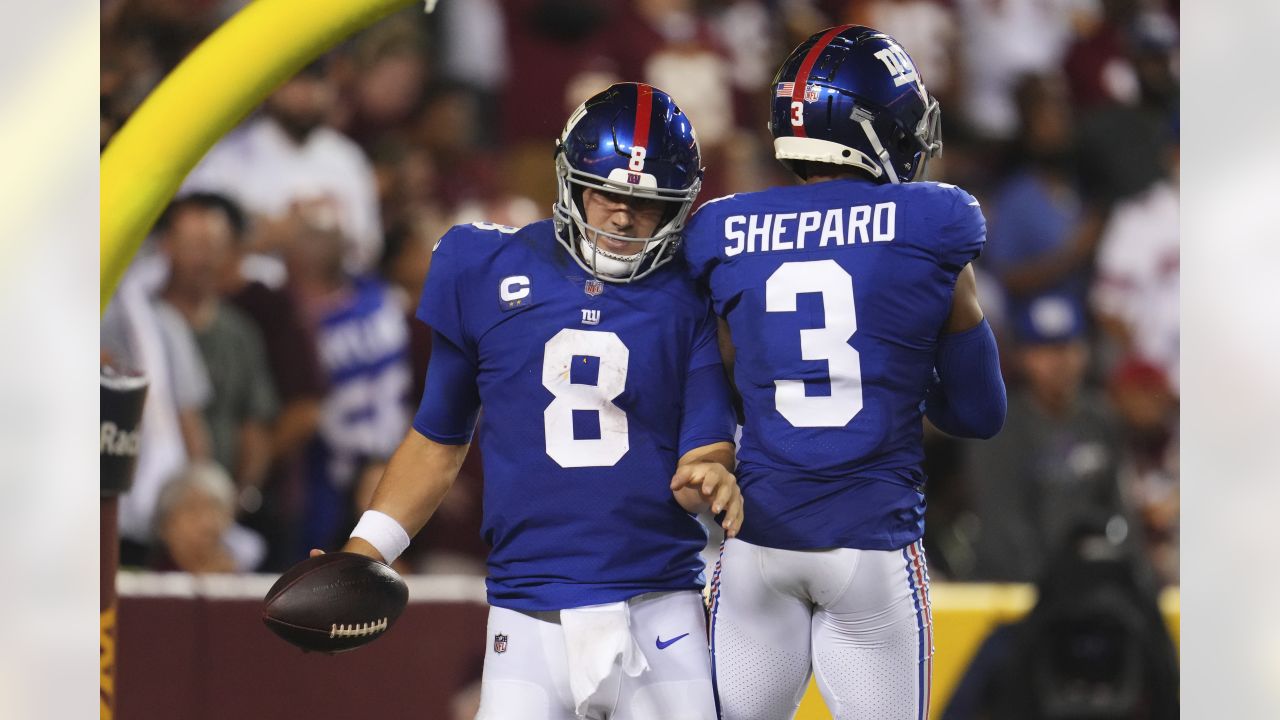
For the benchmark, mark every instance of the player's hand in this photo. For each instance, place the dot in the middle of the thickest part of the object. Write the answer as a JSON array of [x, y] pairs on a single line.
[[715, 485], [360, 546]]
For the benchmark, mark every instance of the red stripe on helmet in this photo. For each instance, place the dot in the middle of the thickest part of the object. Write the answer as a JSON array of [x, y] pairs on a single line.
[[802, 77], [644, 108]]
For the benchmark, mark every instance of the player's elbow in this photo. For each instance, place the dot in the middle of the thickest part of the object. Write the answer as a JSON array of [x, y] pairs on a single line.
[[989, 425], [987, 418], [968, 415]]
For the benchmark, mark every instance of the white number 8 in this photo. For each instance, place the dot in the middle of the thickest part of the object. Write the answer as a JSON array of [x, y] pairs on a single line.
[[557, 363], [637, 158]]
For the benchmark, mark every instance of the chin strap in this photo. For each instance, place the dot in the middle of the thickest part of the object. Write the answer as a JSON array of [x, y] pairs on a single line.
[[880, 151], [592, 251]]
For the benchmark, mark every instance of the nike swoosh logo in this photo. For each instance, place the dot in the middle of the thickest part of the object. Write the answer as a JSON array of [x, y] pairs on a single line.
[[664, 644]]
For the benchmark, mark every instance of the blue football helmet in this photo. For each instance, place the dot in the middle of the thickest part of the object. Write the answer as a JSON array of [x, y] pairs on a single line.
[[850, 95], [630, 139]]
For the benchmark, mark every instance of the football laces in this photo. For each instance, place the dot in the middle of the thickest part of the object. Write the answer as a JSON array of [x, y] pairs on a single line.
[[357, 629]]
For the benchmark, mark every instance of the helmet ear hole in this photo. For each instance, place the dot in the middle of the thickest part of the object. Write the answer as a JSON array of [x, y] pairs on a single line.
[[903, 142], [846, 153]]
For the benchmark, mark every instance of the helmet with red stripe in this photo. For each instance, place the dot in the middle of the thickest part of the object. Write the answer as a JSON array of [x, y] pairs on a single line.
[[631, 139], [850, 95]]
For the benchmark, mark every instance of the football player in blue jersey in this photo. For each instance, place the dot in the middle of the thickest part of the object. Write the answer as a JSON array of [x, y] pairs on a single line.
[[850, 307], [607, 424]]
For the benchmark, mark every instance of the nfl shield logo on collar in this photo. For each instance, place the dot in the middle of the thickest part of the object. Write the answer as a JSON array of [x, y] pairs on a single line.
[[593, 287], [499, 643]]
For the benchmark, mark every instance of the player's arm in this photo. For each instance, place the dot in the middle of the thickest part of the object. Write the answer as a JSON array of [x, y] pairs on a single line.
[[704, 479], [967, 399], [704, 475], [426, 464], [416, 480], [724, 338], [1041, 273]]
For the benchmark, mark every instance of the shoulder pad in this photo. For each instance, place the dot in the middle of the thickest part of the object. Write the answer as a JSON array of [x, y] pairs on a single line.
[[475, 232]]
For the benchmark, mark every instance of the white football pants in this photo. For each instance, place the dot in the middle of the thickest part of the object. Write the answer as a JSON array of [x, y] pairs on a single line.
[[859, 619], [526, 673]]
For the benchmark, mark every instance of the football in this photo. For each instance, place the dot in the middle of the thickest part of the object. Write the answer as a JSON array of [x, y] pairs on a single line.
[[335, 602]]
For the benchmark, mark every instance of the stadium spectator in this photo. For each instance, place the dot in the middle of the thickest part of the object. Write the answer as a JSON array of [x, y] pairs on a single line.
[[287, 166], [563, 39], [194, 523], [197, 234], [1058, 456], [691, 66], [929, 27], [363, 341], [1003, 42], [382, 80], [164, 31], [300, 383], [747, 32], [1135, 293], [136, 334], [474, 54], [1042, 236], [447, 129], [1148, 411], [1125, 89], [406, 257]]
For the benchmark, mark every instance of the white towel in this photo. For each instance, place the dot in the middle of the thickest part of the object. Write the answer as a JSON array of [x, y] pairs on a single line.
[[595, 637]]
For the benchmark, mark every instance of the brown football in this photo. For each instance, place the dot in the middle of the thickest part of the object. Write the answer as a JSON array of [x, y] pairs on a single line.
[[335, 602]]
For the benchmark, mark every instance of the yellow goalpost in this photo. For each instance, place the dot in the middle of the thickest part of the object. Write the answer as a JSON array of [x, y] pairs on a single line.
[[228, 75]]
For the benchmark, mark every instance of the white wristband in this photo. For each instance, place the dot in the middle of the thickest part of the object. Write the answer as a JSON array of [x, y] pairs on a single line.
[[382, 532]]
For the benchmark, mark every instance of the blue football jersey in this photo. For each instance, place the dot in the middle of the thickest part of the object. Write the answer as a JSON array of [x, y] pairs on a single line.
[[835, 294], [583, 387], [363, 342]]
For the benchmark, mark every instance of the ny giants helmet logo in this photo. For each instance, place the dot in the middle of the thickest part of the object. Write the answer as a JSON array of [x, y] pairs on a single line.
[[898, 64]]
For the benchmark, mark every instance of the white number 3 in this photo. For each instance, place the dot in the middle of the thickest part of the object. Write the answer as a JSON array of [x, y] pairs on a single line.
[[829, 342], [557, 365]]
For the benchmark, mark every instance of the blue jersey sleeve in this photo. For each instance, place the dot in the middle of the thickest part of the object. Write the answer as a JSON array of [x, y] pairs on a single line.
[[441, 304], [965, 232], [706, 344], [968, 400], [700, 249], [708, 410], [451, 399]]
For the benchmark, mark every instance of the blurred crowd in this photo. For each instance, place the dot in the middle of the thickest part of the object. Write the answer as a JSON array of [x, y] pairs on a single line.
[[272, 305]]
